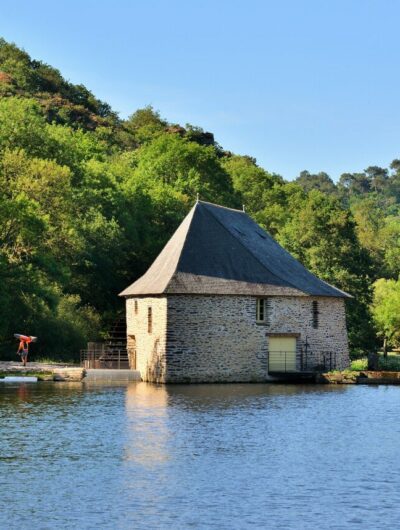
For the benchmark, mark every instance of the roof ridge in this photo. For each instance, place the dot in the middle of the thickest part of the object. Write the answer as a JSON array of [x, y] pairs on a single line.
[[191, 211], [220, 206], [251, 253]]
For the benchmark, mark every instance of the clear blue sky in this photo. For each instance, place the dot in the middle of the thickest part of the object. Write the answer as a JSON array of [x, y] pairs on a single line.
[[305, 84]]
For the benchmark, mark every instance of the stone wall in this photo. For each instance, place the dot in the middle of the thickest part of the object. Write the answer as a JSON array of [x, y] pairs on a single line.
[[215, 338], [150, 347], [290, 315]]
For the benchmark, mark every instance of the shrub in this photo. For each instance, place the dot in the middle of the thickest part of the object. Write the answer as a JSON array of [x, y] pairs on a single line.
[[359, 364]]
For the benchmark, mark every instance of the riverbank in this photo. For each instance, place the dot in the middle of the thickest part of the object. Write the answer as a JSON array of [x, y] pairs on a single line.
[[68, 372], [43, 371], [363, 377]]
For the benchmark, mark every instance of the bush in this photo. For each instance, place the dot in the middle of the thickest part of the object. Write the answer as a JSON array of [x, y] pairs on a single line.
[[390, 363], [359, 364]]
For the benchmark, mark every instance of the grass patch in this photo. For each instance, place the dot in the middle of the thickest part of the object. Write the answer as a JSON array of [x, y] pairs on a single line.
[[390, 364], [17, 373], [48, 360]]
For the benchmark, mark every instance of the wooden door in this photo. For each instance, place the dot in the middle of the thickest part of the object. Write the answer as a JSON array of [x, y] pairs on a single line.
[[282, 354]]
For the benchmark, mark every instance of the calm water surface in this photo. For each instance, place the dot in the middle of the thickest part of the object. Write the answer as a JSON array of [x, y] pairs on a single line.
[[201, 456]]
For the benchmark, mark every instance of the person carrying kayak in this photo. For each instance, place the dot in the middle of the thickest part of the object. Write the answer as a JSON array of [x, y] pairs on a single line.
[[23, 348]]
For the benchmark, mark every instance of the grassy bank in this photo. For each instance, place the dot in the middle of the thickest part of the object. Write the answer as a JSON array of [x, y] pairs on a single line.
[[42, 376], [391, 363]]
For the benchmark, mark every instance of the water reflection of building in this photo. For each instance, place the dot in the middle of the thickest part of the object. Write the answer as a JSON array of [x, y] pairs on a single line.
[[166, 423], [216, 396], [146, 425]]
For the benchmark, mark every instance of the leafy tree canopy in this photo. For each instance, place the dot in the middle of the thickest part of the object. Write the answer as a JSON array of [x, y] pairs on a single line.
[[386, 310], [87, 201], [321, 181]]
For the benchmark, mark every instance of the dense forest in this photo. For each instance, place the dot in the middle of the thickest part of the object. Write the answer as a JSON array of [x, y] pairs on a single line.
[[87, 200]]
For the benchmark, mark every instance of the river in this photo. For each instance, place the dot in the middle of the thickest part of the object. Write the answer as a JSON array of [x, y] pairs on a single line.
[[228, 457]]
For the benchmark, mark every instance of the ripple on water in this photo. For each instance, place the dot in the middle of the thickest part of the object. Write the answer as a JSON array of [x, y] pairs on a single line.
[[201, 456]]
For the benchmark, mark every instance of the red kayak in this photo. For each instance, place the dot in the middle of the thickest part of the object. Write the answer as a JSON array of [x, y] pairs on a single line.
[[25, 338]]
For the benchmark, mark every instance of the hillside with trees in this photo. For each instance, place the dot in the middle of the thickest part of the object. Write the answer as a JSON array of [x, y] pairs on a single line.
[[87, 200]]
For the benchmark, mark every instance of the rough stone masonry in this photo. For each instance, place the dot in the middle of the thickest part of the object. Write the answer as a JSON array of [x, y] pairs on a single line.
[[216, 338]]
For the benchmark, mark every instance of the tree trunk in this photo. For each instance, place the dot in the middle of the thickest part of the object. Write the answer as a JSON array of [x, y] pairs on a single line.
[[385, 347], [373, 361]]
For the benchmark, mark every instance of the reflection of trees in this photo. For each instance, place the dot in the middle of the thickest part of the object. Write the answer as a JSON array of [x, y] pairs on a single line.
[[147, 430]]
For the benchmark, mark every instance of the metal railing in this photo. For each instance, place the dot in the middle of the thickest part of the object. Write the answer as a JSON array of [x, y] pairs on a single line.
[[301, 362], [322, 361], [112, 359]]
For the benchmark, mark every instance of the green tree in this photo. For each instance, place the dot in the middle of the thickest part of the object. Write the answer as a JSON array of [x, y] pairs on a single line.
[[145, 124], [355, 183], [322, 235], [250, 181], [386, 311], [186, 166], [379, 177], [320, 181]]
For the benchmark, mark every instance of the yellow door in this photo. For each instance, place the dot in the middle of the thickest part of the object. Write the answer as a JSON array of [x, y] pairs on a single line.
[[282, 354]]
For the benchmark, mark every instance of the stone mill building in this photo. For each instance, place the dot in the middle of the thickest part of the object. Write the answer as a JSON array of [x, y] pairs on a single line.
[[224, 302]]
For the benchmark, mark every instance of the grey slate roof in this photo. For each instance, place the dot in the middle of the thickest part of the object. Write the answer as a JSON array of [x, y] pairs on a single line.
[[218, 250]]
